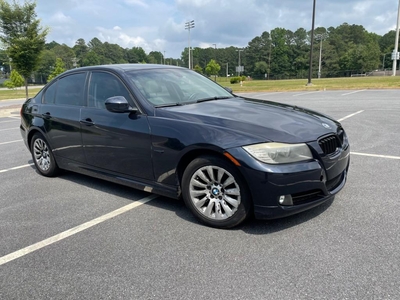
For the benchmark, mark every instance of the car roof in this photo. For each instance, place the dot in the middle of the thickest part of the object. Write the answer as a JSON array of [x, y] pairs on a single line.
[[126, 67]]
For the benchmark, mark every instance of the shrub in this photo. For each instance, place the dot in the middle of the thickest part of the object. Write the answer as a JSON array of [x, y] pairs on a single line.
[[235, 80]]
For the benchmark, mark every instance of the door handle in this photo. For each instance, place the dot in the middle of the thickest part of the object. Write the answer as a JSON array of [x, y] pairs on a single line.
[[46, 115], [87, 122]]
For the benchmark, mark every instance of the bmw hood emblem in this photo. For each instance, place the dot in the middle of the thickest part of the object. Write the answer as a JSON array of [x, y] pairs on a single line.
[[326, 126]]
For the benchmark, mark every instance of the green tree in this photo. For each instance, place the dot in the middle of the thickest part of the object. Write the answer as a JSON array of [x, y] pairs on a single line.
[[198, 69], [16, 80], [261, 68], [91, 59], [23, 36], [47, 64], [80, 50], [58, 69], [213, 68], [66, 54]]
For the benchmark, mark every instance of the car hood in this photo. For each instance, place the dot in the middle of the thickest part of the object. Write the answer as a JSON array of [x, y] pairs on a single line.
[[264, 120]]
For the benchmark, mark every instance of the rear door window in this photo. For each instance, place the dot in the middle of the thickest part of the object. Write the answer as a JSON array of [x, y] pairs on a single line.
[[70, 90]]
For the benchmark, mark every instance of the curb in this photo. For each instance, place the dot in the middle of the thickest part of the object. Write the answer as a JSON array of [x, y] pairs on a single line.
[[10, 111]]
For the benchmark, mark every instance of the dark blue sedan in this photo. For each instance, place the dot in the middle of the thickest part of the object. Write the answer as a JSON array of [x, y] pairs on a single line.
[[172, 132]]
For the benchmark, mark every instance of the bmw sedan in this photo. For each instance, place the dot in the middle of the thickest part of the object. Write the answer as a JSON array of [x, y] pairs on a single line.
[[173, 132]]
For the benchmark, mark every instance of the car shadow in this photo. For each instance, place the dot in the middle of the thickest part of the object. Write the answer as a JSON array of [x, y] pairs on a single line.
[[251, 226]]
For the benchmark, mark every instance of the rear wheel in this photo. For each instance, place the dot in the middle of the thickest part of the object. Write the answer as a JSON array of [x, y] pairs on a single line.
[[43, 156], [213, 189]]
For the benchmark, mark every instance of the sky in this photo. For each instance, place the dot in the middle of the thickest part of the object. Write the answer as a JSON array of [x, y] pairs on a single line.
[[159, 25]]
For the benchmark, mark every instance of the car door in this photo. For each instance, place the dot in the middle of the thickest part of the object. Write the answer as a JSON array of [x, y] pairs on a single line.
[[60, 109], [116, 142]]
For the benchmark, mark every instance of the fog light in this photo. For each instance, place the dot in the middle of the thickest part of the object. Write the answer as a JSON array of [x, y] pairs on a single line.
[[285, 200]]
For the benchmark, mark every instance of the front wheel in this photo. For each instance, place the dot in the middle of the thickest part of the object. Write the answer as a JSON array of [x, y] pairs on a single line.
[[43, 156], [215, 192]]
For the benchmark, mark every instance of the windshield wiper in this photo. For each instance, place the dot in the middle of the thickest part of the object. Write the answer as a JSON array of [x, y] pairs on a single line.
[[170, 105], [213, 98]]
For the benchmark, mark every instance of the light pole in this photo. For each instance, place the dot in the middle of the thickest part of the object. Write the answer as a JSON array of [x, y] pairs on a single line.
[[215, 59], [312, 45], [164, 57], [396, 43], [189, 25], [321, 37], [239, 67]]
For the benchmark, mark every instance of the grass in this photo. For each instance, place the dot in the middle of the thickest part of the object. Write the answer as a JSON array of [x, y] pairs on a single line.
[[17, 93], [350, 83]]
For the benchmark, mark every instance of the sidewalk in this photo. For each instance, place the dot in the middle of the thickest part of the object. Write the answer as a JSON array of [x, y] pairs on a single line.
[[10, 110]]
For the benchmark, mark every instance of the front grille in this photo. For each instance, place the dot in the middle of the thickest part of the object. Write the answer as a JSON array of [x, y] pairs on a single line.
[[306, 197], [329, 144]]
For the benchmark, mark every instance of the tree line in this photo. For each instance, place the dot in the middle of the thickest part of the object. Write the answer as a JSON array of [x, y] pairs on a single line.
[[278, 54]]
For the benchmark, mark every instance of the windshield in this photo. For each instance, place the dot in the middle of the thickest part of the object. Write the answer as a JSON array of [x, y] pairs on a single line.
[[168, 87]]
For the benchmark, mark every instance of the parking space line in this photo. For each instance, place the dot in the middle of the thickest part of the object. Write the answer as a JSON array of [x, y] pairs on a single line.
[[303, 94], [375, 155], [63, 235], [5, 143], [349, 116], [9, 129], [15, 168], [353, 92], [15, 120], [266, 94]]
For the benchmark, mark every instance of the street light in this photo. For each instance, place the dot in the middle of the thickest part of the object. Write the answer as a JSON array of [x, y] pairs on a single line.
[[164, 57], [239, 67], [312, 45], [396, 43], [321, 37], [189, 25], [215, 58]]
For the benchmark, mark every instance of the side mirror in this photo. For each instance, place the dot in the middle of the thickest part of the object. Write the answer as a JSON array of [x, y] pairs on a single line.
[[228, 89], [119, 104]]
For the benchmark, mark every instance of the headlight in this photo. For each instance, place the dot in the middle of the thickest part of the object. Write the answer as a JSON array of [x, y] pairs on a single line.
[[278, 153]]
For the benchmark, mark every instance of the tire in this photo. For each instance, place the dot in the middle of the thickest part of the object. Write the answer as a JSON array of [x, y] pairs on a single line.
[[43, 157], [215, 192]]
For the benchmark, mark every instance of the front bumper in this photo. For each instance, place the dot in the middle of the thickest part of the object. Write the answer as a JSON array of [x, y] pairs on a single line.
[[306, 184]]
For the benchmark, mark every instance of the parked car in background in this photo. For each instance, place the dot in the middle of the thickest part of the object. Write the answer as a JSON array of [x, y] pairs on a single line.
[[172, 132]]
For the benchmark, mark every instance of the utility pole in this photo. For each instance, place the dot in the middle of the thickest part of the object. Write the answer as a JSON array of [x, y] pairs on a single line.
[[189, 25], [239, 67], [215, 58], [396, 43], [312, 45], [321, 37]]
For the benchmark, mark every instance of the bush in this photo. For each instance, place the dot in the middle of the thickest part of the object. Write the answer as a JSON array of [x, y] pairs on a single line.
[[15, 80], [238, 79], [235, 80]]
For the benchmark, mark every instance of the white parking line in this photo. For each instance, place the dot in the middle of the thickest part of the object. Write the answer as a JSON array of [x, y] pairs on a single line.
[[15, 120], [376, 155], [349, 116], [15, 168], [9, 129], [303, 94], [5, 143], [353, 92], [63, 235], [266, 94]]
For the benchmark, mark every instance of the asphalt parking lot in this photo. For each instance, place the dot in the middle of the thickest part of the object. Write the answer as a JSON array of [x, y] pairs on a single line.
[[75, 237]]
